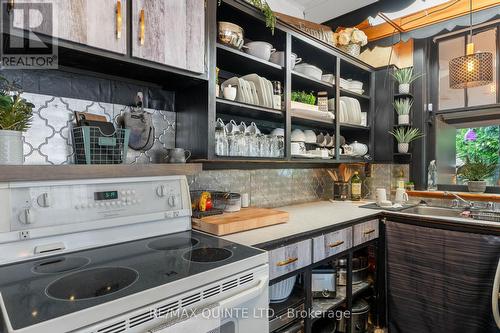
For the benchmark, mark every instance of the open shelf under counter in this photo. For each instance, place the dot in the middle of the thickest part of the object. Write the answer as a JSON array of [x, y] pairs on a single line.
[[307, 83], [228, 107], [348, 93], [323, 305], [236, 61], [10, 173]]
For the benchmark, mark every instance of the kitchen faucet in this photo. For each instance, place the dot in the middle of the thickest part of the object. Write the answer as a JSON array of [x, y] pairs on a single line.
[[469, 204]]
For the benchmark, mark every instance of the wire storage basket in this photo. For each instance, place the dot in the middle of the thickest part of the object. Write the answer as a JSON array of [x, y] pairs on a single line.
[[91, 146]]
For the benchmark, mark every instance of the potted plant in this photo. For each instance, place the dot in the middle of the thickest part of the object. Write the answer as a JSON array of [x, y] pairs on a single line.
[[302, 100], [475, 172], [350, 40], [264, 7], [403, 107], [15, 117], [404, 136], [405, 77]]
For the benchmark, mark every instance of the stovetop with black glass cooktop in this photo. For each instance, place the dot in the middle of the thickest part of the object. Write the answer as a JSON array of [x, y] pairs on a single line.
[[38, 290]]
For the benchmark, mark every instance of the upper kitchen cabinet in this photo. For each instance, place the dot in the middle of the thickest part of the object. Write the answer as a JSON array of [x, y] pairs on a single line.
[[98, 23], [170, 32]]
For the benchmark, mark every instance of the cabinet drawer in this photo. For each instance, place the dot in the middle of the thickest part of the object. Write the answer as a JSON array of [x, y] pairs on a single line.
[[365, 232], [289, 258], [327, 245]]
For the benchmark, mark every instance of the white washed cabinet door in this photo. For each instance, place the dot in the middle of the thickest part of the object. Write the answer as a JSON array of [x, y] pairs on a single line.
[[327, 245], [98, 23], [365, 232], [170, 32], [289, 258]]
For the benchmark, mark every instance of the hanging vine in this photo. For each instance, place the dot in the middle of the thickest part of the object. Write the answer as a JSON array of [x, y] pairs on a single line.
[[264, 7]]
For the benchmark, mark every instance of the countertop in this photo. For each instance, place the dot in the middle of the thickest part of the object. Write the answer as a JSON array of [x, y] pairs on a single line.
[[316, 217], [306, 218]]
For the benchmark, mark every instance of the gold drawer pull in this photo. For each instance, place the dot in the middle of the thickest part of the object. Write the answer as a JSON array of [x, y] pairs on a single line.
[[336, 244], [371, 231], [287, 262], [118, 19], [142, 32]]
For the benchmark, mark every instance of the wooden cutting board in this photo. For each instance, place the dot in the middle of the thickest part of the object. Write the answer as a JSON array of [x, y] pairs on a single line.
[[245, 219]]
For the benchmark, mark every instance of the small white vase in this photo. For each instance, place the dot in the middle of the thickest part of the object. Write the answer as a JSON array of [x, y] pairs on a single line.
[[404, 88], [229, 93], [403, 148], [404, 119], [11, 147]]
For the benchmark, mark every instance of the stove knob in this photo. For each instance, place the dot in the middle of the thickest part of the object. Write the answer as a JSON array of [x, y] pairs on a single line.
[[172, 201], [44, 200], [27, 216], [161, 191]]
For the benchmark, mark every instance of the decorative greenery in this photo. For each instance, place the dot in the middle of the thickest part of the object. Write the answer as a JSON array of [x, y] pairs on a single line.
[[403, 106], [303, 97], [405, 75], [266, 10], [476, 170], [406, 135], [15, 112], [484, 147]]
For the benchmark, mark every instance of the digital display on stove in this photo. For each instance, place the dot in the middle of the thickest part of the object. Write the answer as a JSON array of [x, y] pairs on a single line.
[[108, 195]]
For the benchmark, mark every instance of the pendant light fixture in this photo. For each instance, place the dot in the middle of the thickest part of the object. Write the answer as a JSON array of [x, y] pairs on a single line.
[[472, 70]]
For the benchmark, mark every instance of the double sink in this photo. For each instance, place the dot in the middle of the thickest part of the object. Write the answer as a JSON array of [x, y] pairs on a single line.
[[474, 214]]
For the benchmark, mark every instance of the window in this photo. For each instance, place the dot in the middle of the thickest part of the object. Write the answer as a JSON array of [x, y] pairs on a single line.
[[455, 47]]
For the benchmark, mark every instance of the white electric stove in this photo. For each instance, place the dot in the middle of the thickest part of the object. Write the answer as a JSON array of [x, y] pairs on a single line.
[[119, 255]]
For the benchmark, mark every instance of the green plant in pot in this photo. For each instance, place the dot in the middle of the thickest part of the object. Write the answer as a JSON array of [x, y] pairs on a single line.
[[403, 108], [16, 114], [405, 77], [404, 136], [475, 172]]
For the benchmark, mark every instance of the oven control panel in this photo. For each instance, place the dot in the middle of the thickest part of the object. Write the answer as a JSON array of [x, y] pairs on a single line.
[[46, 204]]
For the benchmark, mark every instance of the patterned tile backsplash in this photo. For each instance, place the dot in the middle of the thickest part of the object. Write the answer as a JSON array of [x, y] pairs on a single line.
[[281, 187], [48, 141]]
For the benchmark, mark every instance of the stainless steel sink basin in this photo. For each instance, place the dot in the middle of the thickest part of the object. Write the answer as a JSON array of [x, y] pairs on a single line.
[[435, 211]]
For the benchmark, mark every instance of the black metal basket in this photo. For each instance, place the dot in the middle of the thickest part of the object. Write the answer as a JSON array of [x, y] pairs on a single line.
[[91, 146]]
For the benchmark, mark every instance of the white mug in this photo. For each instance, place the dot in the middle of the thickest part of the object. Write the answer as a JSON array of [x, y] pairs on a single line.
[[298, 148], [401, 196], [381, 195]]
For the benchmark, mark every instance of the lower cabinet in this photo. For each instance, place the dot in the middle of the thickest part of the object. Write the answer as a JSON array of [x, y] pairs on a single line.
[[289, 258], [440, 280]]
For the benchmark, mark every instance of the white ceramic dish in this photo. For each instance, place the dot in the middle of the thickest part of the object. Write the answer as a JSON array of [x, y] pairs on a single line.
[[279, 59], [261, 50], [256, 80], [280, 291], [309, 70], [310, 136], [298, 135]]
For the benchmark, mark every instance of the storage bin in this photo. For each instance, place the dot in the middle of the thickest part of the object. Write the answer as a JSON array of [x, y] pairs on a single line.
[[91, 146]]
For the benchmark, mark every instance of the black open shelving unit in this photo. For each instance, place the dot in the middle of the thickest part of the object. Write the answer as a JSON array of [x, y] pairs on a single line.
[[232, 62]]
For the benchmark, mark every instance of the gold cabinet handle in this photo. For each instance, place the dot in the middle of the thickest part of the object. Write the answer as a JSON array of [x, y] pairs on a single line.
[[142, 32], [287, 262], [10, 5], [336, 244], [369, 231], [119, 19]]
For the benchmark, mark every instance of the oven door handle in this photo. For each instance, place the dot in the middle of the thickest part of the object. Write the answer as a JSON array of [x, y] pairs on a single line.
[[246, 295], [495, 296]]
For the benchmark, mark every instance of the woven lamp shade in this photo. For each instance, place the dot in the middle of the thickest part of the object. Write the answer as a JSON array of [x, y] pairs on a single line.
[[472, 70]]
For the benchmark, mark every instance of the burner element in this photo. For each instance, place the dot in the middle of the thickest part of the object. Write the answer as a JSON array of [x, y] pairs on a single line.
[[208, 254], [92, 283], [60, 265], [172, 244]]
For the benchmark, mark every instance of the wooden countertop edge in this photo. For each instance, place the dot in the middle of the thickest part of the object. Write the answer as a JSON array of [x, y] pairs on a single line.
[[465, 195], [9, 173]]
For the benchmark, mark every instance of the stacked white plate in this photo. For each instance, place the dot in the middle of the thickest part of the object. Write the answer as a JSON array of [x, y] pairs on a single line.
[[350, 111], [352, 85], [252, 89]]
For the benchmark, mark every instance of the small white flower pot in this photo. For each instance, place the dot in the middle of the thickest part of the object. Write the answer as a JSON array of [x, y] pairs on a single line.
[[404, 119], [476, 186], [11, 147], [404, 88], [403, 148]]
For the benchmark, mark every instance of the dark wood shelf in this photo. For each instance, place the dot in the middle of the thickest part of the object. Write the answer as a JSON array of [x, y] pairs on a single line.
[[353, 127], [228, 107], [68, 172], [239, 62], [348, 93], [306, 83], [402, 158], [295, 299], [397, 96], [313, 122]]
